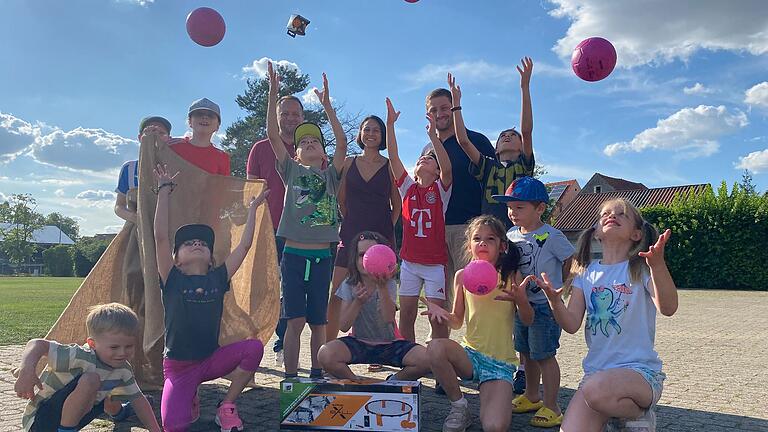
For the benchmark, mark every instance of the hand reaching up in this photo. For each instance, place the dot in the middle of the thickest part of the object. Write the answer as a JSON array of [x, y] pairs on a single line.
[[516, 293], [259, 200], [432, 126], [162, 175], [526, 71], [455, 90], [274, 79], [655, 254], [324, 96], [392, 115]]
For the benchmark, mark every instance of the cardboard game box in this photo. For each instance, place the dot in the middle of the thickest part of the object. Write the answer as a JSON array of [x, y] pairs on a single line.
[[341, 405]]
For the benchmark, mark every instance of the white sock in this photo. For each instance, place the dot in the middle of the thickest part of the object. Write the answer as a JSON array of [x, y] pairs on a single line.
[[460, 403]]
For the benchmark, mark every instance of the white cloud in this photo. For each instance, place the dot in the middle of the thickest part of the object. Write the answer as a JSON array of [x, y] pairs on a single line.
[[657, 31], [691, 132], [310, 98], [111, 229], [755, 161], [697, 88], [61, 182], [84, 149], [59, 192], [757, 95], [137, 2], [96, 195], [3, 197], [16, 135], [465, 72], [258, 69]]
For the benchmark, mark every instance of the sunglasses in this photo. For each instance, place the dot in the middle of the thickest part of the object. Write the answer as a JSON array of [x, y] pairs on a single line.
[[192, 243]]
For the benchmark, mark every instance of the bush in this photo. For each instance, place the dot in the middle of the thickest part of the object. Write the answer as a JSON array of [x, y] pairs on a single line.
[[87, 252], [58, 260], [718, 239]]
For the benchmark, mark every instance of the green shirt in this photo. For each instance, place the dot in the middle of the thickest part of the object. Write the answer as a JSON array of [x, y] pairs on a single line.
[[495, 176]]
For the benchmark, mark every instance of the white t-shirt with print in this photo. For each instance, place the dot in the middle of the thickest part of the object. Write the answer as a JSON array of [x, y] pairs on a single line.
[[620, 327]]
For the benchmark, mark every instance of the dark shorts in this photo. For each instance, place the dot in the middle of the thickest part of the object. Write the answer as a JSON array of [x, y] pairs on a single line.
[[391, 354], [48, 415], [305, 283], [541, 339]]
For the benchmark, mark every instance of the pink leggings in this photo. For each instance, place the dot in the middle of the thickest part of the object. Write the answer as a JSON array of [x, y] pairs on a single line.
[[183, 377]]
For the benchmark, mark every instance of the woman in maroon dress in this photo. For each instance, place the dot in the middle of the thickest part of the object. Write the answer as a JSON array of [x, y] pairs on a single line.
[[369, 201]]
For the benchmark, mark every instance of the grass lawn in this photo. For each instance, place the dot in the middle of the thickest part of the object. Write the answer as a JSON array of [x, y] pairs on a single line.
[[30, 305]]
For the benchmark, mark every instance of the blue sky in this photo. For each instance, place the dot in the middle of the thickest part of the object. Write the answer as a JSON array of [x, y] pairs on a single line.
[[687, 103]]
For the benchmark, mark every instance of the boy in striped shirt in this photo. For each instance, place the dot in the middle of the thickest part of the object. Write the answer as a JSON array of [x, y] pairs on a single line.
[[81, 382]]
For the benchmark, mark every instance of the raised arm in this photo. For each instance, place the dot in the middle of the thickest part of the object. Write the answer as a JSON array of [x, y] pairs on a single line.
[[273, 129], [394, 158], [458, 123], [395, 201], [569, 317], [526, 112], [238, 255], [27, 378], [162, 241], [665, 290], [446, 173], [338, 131]]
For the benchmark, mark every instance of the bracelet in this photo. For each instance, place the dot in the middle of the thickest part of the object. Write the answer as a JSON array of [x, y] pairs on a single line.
[[456, 108], [171, 185]]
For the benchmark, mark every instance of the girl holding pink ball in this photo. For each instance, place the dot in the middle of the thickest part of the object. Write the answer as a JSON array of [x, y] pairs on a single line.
[[486, 354]]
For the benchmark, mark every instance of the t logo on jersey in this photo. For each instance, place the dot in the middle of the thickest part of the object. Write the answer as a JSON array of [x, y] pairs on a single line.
[[418, 222]]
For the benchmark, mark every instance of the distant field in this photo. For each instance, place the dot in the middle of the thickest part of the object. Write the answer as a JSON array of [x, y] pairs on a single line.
[[30, 305]]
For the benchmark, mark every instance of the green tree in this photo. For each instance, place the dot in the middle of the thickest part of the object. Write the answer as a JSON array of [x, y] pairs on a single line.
[[244, 132], [58, 260], [747, 184], [86, 253], [18, 212], [66, 224]]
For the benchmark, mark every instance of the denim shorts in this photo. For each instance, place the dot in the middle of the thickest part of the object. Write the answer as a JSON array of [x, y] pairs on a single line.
[[541, 339], [391, 354], [655, 379], [486, 368], [305, 282]]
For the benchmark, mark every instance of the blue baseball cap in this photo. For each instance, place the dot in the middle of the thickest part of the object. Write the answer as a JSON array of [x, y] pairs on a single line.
[[525, 189]]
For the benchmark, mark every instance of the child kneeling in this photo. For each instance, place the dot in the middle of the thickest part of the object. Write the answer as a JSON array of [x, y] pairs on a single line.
[[82, 382], [368, 307]]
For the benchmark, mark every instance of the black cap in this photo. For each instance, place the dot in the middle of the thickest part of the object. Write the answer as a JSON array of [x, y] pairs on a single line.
[[193, 232], [158, 119]]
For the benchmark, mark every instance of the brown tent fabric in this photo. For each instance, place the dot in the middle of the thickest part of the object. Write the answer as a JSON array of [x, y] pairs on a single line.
[[127, 271]]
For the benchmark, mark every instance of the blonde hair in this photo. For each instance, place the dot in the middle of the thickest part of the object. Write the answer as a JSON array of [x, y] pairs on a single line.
[[111, 317], [637, 265]]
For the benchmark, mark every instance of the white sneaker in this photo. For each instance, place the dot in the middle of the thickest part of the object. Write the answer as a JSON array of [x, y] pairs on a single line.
[[279, 358], [644, 423], [458, 420]]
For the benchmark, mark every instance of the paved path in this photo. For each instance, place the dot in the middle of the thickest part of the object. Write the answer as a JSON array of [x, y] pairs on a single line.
[[714, 350]]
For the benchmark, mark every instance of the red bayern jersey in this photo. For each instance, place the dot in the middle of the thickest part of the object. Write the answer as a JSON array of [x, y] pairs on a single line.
[[423, 221]]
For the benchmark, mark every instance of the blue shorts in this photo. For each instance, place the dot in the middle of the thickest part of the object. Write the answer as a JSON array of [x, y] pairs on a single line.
[[541, 339], [305, 281], [655, 379], [486, 368]]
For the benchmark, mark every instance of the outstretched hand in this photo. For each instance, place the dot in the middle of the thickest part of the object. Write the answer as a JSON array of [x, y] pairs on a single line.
[[546, 285], [156, 131], [455, 90], [162, 175], [431, 126], [274, 79], [26, 383], [516, 293], [392, 115], [324, 96], [362, 293], [435, 312], [526, 71], [655, 254]]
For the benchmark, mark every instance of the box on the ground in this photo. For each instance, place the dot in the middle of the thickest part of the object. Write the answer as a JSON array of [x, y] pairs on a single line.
[[339, 405]]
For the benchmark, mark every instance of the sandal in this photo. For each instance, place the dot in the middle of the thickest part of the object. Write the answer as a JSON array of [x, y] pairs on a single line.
[[375, 367], [546, 418], [522, 404]]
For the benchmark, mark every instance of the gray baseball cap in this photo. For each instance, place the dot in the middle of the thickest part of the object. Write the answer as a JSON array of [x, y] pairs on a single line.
[[205, 104]]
